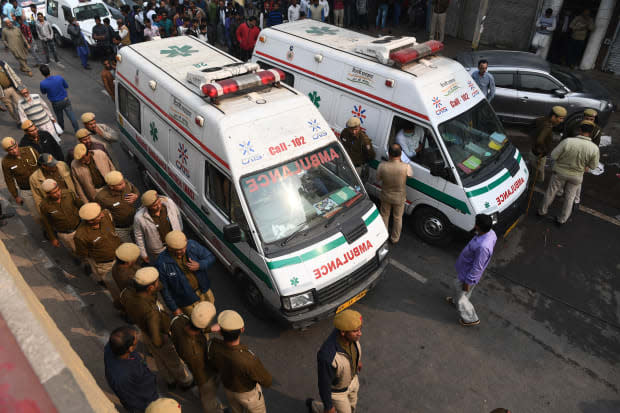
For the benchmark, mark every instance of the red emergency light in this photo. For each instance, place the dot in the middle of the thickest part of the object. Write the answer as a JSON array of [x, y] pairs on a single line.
[[411, 54], [227, 86]]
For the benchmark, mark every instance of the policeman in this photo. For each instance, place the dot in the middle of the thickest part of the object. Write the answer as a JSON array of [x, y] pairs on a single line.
[[242, 373], [96, 241], [339, 361], [89, 169], [119, 197], [191, 344], [84, 137], [100, 132], [126, 265], [60, 214], [542, 139], [164, 405], [140, 303], [575, 127], [17, 166], [40, 140], [50, 168], [357, 144], [183, 272]]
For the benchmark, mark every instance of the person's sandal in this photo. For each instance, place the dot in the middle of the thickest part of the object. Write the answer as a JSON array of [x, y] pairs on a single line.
[[465, 324], [450, 301]]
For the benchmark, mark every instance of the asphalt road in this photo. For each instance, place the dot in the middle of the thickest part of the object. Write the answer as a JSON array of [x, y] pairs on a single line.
[[549, 340]]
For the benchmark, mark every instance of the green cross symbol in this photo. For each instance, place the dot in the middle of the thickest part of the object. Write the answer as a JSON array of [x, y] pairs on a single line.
[[314, 98], [320, 31], [486, 204], [294, 281], [153, 131], [175, 51]]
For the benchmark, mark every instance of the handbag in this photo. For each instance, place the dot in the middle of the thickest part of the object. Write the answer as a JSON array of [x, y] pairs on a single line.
[[59, 130]]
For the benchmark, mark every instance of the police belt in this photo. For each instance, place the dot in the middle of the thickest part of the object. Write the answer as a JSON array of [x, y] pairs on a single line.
[[70, 231]]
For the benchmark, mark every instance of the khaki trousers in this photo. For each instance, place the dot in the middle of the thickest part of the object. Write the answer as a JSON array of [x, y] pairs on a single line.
[[67, 241], [251, 401], [103, 272], [438, 26], [10, 99], [344, 402], [168, 362], [208, 296], [208, 396], [570, 184], [396, 210], [124, 234], [23, 64]]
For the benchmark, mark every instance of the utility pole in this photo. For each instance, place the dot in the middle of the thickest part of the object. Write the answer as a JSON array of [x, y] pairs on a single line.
[[479, 28], [601, 23]]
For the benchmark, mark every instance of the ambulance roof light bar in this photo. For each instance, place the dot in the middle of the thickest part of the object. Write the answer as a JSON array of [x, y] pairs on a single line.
[[200, 78], [243, 82], [407, 55]]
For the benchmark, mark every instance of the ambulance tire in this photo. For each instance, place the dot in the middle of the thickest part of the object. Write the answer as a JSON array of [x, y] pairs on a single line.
[[253, 297], [58, 39], [432, 226]]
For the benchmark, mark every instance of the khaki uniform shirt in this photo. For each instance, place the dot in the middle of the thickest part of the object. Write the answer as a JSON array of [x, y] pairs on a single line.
[[122, 211], [145, 312], [542, 139], [237, 366], [573, 155], [62, 176], [62, 216], [192, 349], [123, 275], [162, 223], [357, 146], [393, 176], [19, 169], [98, 244]]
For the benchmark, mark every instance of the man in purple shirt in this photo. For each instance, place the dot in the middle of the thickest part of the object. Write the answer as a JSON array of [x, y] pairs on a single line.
[[469, 268]]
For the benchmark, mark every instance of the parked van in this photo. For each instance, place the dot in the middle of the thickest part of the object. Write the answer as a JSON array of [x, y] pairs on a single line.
[[59, 13], [257, 172], [465, 164]]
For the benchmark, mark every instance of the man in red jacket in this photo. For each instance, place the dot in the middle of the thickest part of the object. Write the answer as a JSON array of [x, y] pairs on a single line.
[[247, 33]]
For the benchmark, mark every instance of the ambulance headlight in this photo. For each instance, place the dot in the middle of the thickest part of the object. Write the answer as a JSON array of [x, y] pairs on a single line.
[[383, 251], [495, 218], [298, 301]]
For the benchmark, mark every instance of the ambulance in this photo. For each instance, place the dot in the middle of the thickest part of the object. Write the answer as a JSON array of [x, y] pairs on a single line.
[[256, 171], [463, 163]]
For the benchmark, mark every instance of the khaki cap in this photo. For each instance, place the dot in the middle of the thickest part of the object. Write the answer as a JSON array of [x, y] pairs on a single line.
[[164, 405], [353, 122], [590, 112], [230, 320], [8, 143], [113, 178], [559, 111], [82, 133], [176, 239], [87, 117], [587, 122], [149, 197], [49, 185], [79, 151], [348, 320], [127, 252], [203, 314], [26, 124], [146, 276], [90, 211]]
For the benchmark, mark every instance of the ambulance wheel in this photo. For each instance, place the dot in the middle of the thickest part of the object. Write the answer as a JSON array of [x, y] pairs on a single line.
[[432, 226], [58, 39], [254, 298]]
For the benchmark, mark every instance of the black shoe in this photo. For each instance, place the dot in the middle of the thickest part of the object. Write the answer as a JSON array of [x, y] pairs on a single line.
[[87, 67], [7, 215], [558, 223], [309, 404]]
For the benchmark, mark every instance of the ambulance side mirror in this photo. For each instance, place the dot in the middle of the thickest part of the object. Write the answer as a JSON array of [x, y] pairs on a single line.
[[438, 168], [233, 233]]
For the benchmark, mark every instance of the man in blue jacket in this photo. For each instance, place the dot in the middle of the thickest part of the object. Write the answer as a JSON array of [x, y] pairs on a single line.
[[183, 273]]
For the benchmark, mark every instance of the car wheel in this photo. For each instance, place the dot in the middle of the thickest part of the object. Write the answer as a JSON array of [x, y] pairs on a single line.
[[571, 124], [254, 298], [432, 226], [60, 42]]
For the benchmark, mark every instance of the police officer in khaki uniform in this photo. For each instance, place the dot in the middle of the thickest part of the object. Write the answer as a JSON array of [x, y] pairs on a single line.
[[100, 132], [119, 196], [17, 166], [393, 176], [89, 169], [542, 139], [189, 337], [140, 303], [96, 241], [84, 137], [574, 128], [339, 361], [242, 373], [126, 265], [50, 168], [60, 214], [357, 144], [164, 405]]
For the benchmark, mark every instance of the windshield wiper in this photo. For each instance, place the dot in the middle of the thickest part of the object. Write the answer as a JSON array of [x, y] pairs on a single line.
[[345, 205], [297, 231]]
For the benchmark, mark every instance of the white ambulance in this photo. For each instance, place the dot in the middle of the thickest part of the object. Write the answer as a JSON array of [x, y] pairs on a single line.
[[257, 172], [462, 160]]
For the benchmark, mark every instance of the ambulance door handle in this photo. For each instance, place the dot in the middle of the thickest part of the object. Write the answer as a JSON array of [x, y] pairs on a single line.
[[205, 210], [524, 99]]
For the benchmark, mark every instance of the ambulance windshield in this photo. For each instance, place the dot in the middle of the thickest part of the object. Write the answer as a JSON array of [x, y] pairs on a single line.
[[474, 139], [300, 194]]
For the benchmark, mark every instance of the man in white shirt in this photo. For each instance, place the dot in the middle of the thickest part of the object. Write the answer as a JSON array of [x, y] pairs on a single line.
[[293, 11], [411, 141], [325, 5], [150, 31], [304, 4]]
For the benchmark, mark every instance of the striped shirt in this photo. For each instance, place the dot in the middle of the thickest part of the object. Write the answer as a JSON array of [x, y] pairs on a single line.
[[34, 110]]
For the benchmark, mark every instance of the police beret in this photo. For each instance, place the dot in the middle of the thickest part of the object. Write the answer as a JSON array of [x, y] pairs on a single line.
[[149, 198], [8, 143], [164, 405], [559, 110], [590, 112], [203, 314], [90, 211], [348, 320], [113, 178], [176, 239], [230, 320], [79, 151], [82, 133], [587, 122], [146, 276], [353, 122], [49, 185], [47, 160], [26, 124], [128, 252], [87, 117]]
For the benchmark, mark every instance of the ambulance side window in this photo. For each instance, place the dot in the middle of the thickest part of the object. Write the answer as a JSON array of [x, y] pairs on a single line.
[[417, 141], [289, 79], [129, 107], [52, 8], [217, 189], [66, 12]]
